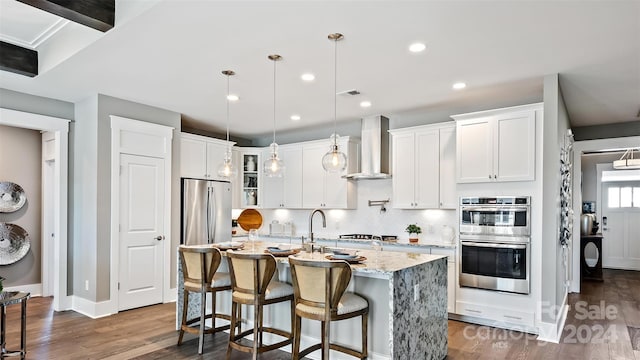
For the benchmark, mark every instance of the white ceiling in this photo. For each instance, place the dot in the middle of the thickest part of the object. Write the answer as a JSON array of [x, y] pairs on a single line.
[[170, 55], [21, 25]]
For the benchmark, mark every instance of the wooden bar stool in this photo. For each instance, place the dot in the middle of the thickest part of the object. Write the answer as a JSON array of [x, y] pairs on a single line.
[[253, 284], [319, 288], [199, 273]]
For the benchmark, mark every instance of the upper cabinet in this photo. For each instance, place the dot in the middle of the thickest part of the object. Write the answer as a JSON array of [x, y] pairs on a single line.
[[250, 178], [285, 191], [497, 145], [201, 156], [423, 161], [321, 189]]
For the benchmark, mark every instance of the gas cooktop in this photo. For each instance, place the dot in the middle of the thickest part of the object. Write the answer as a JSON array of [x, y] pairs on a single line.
[[369, 237]]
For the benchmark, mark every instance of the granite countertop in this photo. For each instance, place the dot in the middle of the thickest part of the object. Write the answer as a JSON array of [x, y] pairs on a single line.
[[423, 243], [376, 263]]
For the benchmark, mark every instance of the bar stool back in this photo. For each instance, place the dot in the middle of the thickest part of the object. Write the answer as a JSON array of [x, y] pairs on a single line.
[[199, 274], [319, 288], [253, 284]]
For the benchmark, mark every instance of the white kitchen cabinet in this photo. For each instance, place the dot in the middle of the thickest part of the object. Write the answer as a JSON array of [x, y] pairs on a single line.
[[285, 191], [423, 167], [201, 156], [321, 189], [448, 196], [496, 145]]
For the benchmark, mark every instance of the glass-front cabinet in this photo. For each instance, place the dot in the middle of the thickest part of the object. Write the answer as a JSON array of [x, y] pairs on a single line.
[[250, 176]]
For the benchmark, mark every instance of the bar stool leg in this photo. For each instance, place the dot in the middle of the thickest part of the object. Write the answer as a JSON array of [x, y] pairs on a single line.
[[364, 335], [185, 305], [23, 327], [3, 316], [203, 307], [325, 340], [295, 351], [256, 326], [232, 327]]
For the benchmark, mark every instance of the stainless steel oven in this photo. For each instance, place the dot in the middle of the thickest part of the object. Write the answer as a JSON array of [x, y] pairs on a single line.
[[495, 215], [495, 243]]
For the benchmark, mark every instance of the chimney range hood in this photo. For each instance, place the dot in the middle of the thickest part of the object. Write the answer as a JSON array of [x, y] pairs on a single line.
[[374, 162]]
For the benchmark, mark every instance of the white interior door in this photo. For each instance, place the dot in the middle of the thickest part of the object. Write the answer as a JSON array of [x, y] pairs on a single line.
[[620, 225], [142, 199]]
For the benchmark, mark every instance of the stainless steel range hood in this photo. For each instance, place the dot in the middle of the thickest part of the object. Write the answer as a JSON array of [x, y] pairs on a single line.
[[374, 163]]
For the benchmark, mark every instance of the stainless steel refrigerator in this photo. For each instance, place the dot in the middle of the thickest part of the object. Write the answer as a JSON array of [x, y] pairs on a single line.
[[206, 211]]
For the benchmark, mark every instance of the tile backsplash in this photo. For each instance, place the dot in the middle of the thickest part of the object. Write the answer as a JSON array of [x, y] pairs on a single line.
[[365, 219]]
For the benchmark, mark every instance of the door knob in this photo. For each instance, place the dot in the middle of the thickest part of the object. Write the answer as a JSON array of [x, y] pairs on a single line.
[[159, 237]]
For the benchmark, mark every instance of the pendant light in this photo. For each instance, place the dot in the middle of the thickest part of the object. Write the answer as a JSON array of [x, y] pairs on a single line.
[[627, 161], [273, 166], [226, 169], [334, 160]]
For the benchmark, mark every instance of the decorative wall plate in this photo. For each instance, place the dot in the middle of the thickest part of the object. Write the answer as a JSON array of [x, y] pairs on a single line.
[[12, 197], [14, 243]]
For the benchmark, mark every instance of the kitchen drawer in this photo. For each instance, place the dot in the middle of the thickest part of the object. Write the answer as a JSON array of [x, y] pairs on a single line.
[[515, 317], [500, 315]]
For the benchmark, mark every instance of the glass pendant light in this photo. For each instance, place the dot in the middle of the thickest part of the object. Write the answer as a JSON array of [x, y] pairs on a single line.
[[226, 169], [273, 166], [334, 160]]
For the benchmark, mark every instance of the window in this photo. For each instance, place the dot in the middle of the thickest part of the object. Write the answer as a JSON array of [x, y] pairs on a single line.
[[623, 197]]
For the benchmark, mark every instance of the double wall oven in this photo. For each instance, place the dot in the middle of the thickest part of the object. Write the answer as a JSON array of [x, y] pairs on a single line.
[[495, 243]]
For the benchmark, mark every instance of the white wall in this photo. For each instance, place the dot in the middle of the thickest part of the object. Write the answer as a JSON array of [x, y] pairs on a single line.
[[365, 219]]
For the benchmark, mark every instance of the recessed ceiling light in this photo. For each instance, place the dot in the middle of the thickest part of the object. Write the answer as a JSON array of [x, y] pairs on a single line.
[[417, 47], [232, 97], [459, 85], [308, 77], [295, 117], [365, 104]]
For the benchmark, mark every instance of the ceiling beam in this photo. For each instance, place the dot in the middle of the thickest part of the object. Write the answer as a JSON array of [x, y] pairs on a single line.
[[97, 14], [18, 60]]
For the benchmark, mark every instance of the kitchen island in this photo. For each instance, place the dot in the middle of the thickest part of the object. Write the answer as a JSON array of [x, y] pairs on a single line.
[[407, 294]]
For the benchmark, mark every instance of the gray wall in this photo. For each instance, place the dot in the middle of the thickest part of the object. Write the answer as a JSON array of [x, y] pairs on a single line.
[[44, 106], [590, 175], [91, 209], [83, 190], [631, 128], [35, 104], [21, 163], [556, 122]]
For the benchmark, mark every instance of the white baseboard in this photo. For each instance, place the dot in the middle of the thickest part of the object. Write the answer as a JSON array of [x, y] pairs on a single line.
[[552, 332], [33, 289], [90, 308]]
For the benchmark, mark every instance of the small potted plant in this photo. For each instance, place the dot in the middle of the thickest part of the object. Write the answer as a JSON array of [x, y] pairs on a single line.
[[1, 280], [413, 230]]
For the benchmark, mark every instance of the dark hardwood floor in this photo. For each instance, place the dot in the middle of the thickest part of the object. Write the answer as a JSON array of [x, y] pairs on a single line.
[[149, 333]]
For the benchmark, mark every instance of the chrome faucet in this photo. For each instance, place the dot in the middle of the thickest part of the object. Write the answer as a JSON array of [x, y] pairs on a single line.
[[324, 223]]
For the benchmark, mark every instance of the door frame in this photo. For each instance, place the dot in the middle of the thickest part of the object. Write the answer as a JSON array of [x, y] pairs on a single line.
[[579, 148], [128, 145], [60, 127]]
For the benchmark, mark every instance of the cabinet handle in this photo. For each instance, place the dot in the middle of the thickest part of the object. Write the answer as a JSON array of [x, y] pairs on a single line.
[[489, 177], [473, 311], [512, 317], [495, 177]]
